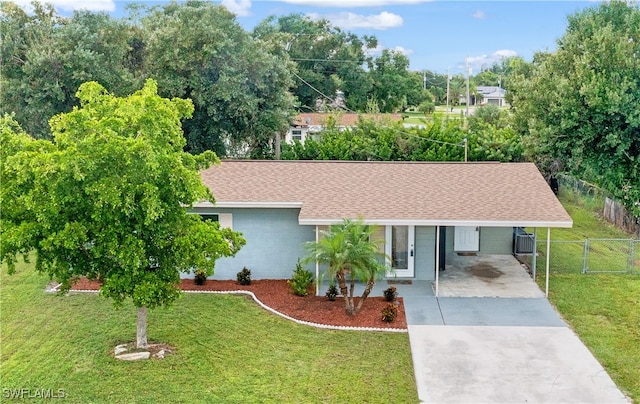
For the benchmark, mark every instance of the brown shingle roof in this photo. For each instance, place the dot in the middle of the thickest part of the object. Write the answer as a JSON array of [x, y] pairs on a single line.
[[342, 119], [491, 194]]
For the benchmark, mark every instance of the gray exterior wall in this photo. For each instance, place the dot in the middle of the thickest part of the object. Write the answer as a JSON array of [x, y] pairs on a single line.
[[496, 240], [274, 243], [493, 240]]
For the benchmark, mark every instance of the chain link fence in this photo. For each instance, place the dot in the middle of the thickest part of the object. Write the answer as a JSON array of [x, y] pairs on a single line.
[[615, 256]]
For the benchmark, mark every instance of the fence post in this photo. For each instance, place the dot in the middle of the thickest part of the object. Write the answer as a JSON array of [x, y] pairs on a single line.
[[585, 253], [632, 256], [534, 260]]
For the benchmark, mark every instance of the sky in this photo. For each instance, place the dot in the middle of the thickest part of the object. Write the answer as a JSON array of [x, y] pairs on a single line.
[[436, 35]]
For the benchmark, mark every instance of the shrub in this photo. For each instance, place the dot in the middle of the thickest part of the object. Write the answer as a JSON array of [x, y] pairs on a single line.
[[300, 281], [244, 276], [390, 294], [389, 313], [427, 107], [332, 292], [200, 277]]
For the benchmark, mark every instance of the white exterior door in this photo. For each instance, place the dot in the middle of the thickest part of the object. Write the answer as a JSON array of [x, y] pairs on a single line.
[[399, 246], [467, 238]]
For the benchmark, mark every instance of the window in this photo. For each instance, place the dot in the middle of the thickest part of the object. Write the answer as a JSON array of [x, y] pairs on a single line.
[[225, 219], [213, 218], [296, 134]]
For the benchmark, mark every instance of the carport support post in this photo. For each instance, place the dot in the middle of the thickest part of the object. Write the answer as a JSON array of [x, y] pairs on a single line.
[[437, 258], [546, 281], [317, 267]]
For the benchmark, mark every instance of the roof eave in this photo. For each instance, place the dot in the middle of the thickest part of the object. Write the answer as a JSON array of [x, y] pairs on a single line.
[[447, 222], [259, 205]]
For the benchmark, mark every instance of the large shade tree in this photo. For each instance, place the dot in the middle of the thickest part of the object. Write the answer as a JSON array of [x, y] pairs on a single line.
[[198, 50], [391, 80], [579, 105], [352, 254], [45, 58], [108, 199], [326, 59]]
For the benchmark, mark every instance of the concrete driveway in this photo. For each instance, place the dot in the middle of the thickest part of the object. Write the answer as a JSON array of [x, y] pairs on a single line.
[[510, 349]]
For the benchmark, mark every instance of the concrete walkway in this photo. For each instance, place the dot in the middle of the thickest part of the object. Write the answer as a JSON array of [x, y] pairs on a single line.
[[499, 349]]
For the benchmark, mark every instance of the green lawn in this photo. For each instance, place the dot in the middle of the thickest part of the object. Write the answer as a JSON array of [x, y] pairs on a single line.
[[227, 350], [603, 309]]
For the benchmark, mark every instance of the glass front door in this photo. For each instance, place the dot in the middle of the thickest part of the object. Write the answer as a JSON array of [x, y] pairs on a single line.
[[400, 249]]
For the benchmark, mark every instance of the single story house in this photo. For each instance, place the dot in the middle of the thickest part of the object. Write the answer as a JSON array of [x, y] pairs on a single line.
[[492, 95], [426, 211], [310, 124]]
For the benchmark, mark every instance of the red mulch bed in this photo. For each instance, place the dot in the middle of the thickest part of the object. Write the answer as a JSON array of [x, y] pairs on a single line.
[[316, 309]]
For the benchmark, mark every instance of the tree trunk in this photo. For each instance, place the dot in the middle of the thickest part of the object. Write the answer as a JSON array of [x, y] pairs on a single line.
[[141, 334], [365, 294], [342, 283], [352, 308]]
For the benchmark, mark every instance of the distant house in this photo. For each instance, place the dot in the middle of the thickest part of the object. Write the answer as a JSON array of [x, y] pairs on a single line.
[[307, 125], [491, 95], [426, 212]]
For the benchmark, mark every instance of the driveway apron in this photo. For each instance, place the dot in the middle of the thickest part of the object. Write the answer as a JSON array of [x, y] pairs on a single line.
[[501, 350]]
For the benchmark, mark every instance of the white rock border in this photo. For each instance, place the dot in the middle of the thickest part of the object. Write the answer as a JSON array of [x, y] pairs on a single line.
[[264, 306]]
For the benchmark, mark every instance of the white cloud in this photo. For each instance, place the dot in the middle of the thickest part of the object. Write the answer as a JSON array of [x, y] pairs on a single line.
[[378, 50], [479, 15], [353, 3], [477, 63], [70, 5], [403, 50], [348, 20], [241, 8], [373, 51]]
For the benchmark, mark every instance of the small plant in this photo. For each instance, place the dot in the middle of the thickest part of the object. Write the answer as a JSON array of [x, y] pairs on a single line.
[[200, 277], [300, 281], [389, 313], [244, 276], [390, 294], [332, 292]]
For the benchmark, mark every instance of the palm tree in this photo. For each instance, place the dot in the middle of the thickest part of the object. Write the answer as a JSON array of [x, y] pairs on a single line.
[[351, 254]]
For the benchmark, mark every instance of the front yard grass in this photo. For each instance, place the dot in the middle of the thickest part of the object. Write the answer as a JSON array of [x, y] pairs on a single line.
[[603, 309], [227, 350]]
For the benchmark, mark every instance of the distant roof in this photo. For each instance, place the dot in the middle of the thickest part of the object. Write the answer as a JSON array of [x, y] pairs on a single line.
[[342, 119], [447, 194], [491, 91]]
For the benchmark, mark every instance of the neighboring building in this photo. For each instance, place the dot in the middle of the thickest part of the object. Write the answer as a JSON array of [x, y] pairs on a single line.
[[491, 95], [426, 211], [310, 124]]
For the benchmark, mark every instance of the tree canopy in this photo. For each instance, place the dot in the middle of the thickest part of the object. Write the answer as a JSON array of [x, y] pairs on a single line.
[[45, 57], [327, 59], [578, 106], [107, 199], [194, 50], [199, 51]]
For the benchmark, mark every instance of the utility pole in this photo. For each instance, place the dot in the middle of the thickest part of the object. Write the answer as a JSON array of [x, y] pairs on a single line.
[[466, 61], [424, 79], [448, 80]]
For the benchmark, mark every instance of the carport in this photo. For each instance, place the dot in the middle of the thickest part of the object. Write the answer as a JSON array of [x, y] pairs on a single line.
[[491, 264]]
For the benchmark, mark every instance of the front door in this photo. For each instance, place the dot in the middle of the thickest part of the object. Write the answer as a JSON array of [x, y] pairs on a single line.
[[400, 248]]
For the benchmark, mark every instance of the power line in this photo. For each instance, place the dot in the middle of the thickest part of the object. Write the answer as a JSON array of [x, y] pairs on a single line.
[[320, 92], [328, 60]]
